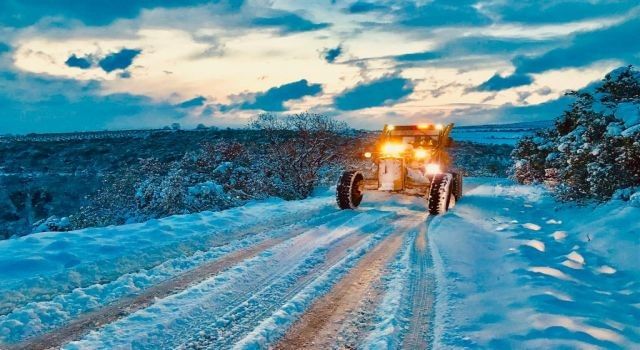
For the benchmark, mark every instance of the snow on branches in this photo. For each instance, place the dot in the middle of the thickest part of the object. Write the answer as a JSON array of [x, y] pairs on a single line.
[[593, 150]]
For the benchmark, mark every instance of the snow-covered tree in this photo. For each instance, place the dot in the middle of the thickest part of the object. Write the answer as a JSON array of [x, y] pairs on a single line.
[[297, 148], [621, 85], [591, 152], [529, 166]]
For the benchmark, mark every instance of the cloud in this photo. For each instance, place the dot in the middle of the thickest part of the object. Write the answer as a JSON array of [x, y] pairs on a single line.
[[330, 55], [364, 7], [288, 23], [381, 92], [559, 11], [583, 49], [118, 60], [273, 99], [194, 102], [476, 46], [614, 42], [441, 13], [84, 62], [24, 13], [4, 48], [124, 74], [479, 44], [35, 103], [418, 56], [497, 82]]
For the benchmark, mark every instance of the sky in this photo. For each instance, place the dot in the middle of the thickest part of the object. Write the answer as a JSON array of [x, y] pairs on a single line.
[[125, 64]]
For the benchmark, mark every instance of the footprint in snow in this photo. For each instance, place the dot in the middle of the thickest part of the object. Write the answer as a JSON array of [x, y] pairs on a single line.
[[502, 227], [559, 235], [606, 270], [576, 257], [535, 244], [573, 262], [531, 226], [550, 271]]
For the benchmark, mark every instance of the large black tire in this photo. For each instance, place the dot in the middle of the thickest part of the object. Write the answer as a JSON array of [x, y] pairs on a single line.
[[440, 193], [349, 191], [457, 185]]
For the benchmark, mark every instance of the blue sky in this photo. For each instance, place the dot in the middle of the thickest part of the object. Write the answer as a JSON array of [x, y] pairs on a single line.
[[110, 64]]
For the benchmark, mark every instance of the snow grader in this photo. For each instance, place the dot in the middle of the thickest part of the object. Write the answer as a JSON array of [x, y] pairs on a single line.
[[409, 159]]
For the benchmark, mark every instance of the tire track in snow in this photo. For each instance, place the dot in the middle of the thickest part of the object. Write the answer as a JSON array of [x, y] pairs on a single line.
[[320, 326], [173, 237], [198, 305], [421, 291], [122, 308], [244, 318], [359, 324]]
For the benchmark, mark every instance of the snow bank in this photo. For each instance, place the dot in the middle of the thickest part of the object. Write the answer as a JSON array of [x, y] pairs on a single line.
[[38, 267], [515, 269]]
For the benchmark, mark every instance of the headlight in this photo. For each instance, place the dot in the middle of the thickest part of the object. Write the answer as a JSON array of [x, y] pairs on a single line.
[[420, 153], [433, 168], [393, 149]]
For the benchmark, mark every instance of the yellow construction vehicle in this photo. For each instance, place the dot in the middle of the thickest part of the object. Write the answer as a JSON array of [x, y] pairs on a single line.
[[410, 159]]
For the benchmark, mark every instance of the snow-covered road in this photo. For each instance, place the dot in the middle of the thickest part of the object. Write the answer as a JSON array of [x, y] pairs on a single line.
[[505, 268]]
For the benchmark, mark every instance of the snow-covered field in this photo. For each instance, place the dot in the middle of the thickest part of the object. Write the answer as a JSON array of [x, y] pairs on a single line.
[[517, 270], [505, 134], [506, 268]]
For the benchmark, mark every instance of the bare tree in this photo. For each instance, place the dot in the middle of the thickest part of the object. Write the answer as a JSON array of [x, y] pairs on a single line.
[[297, 147]]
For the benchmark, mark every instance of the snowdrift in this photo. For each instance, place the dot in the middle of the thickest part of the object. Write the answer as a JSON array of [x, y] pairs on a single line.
[[517, 270]]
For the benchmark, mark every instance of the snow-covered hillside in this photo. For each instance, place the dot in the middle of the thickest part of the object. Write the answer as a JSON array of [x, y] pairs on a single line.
[[506, 268]]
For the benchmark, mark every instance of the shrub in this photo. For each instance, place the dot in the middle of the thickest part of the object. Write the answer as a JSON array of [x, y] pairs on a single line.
[[297, 148], [292, 154]]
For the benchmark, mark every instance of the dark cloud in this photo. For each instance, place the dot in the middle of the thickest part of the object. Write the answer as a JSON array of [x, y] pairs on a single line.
[[84, 62], [364, 6], [24, 13], [34, 103], [4, 48], [273, 99], [615, 42], [497, 82], [441, 13], [418, 56], [558, 11], [381, 92], [330, 55], [288, 23], [194, 102], [118, 60], [478, 45], [583, 49], [490, 45], [124, 75]]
